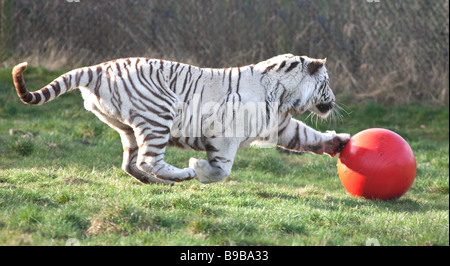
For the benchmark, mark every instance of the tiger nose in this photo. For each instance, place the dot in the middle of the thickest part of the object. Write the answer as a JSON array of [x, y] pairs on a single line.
[[325, 107]]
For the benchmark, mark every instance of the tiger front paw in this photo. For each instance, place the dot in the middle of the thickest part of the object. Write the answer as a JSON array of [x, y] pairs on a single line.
[[336, 143], [199, 166]]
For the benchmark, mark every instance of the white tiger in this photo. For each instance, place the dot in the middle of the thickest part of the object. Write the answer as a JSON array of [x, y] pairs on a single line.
[[155, 103]]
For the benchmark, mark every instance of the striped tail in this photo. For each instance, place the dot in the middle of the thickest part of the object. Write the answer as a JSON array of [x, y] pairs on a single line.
[[59, 86]]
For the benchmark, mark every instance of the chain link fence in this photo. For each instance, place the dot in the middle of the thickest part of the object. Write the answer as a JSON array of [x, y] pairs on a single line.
[[383, 50]]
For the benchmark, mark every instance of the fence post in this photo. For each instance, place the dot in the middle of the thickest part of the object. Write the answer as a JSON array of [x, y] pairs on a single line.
[[6, 28]]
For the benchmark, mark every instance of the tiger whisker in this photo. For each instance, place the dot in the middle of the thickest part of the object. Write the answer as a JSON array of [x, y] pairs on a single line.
[[309, 115]]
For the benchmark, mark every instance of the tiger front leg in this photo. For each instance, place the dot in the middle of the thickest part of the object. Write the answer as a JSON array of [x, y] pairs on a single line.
[[210, 171], [300, 137], [220, 153]]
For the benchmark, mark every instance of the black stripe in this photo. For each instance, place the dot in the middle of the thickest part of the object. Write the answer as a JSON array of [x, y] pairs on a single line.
[[197, 143], [238, 83], [187, 93], [281, 65], [28, 97], [90, 76], [115, 98], [165, 129], [292, 66], [151, 154], [267, 113], [57, 89], [176, 68], [281, 130], [229, 81], [219, 159], [78, 79], [163, 87], [46, 93], [268, 68], [223, 78], [162, 131], [66, 82], [119, 73], [196, 83], [295, 141], [210, 147], [37, 97], [152, 136], [99, 81], [149, 88], [185, 81], [157, 146], [153, 122], [171, 71], [302, 59], [306, 135]]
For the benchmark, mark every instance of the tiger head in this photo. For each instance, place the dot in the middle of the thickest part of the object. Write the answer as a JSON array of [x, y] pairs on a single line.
[[299, 83]]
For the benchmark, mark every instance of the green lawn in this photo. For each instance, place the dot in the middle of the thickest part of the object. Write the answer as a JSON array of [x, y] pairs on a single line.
[[60, 178]]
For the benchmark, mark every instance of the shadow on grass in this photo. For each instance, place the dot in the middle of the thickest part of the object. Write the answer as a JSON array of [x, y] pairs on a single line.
[[395, 205]]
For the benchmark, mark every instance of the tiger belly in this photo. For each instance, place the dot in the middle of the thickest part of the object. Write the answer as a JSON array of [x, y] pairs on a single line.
[[194, 143]]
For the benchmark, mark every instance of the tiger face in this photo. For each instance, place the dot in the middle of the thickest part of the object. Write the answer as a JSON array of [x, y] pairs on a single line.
[[302, 84], [322, 99]]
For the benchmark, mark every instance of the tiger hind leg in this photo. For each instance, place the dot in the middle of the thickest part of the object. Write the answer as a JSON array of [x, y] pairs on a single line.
[[152, 142], [129, 164], [130, 149]]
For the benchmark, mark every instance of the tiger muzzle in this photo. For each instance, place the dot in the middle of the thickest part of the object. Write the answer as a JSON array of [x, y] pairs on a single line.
[[325, 107]]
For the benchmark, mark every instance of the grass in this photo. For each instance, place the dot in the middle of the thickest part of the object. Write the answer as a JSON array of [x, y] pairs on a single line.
[[60, 178]]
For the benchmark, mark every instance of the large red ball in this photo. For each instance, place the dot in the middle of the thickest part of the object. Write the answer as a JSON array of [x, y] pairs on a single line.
[[377, 164]]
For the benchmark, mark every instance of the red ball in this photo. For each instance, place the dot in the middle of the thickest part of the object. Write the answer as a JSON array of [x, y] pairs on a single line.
[[377, 164]]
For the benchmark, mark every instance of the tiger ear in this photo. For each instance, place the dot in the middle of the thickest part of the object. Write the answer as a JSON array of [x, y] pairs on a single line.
[[315, 65]]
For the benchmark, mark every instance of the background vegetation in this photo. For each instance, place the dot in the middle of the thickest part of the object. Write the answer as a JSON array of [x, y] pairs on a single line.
[[388, 51]]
